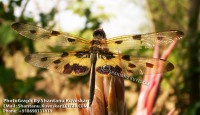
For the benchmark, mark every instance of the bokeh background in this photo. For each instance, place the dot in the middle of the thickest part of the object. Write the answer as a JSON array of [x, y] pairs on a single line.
[[180, 89]]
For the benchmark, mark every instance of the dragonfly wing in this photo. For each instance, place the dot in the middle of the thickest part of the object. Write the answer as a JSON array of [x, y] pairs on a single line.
[[71, 64], [149, 40], [128, 66], [61, 39]]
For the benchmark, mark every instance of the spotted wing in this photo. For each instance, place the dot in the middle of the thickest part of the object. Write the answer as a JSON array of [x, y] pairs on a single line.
[[62, 39], [128, 66], [71, 64], [148, 40]]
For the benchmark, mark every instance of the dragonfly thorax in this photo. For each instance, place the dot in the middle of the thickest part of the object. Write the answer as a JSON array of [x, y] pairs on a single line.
[[94, 49]]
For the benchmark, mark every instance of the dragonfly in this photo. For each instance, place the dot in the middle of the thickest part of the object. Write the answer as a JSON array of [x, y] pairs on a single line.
[[93, 56]]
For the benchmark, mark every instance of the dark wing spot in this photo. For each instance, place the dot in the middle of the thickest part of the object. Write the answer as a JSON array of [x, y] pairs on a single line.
[[126, 57], [27, 58], [104, 69], [55, 33], [67, 69], [169, 67], [80, 54], [65, 54], [32, 31], [131, 65], [118, 69], [137, 37], [159, 38], [71, 40], [16, 26], [180, 33], [44, 59], [79, 69], [149, 65], [118, 42], [57, 61]]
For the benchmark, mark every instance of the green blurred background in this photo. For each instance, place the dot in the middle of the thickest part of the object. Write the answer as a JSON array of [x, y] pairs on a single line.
[[180, 88]]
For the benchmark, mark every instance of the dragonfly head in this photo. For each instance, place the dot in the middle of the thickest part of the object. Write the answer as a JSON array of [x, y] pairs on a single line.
[[99, 34]]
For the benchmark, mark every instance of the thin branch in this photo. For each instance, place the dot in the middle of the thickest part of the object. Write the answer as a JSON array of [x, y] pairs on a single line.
[[23, 10]]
